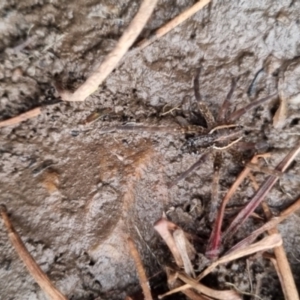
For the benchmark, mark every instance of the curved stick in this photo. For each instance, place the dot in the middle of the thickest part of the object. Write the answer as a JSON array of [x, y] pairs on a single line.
[[34, 269], [172, 24], [111, 61], [22, 117]]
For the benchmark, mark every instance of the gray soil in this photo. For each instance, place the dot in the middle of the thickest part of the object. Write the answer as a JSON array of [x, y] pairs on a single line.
[[75, 194]]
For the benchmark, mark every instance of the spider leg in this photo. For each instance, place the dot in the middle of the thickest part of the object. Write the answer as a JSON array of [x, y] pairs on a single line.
[[260, 146], [237, 114], [224, 108], [215, 187], [191, 169], [251, 88], [202, 107]]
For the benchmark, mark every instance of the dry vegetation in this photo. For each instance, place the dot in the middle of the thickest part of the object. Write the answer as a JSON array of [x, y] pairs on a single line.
[[183, 275]]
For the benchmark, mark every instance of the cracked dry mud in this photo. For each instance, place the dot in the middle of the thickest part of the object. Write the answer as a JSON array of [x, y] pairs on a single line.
[[75, 194]]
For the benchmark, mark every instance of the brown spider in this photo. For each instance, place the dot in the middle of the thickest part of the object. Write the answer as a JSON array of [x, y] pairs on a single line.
[[218, 134]]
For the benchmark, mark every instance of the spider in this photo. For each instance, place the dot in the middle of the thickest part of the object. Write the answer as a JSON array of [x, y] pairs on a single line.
[[216, 136]]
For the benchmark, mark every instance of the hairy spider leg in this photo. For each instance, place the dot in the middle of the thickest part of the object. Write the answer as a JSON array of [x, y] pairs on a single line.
[[191, 169], [238, 113], [225, 106], [202, 107], [214, 203]]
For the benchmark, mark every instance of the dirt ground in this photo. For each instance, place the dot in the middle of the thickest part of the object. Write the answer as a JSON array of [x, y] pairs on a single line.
[[75, 194]]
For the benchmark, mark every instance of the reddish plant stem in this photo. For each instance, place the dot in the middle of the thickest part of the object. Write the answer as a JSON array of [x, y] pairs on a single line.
[[261, 193], [272, 223], [213, 248]]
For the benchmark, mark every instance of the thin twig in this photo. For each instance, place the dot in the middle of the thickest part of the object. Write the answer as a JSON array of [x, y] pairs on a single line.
[[22, 117], [140, 269], [36, 272], [172, 24], [111, 61]]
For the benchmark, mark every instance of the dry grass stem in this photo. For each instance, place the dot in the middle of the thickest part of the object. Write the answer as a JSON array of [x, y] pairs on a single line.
[[281, 113], [22, 117], [281, 263], [172, 24], [173, 282], [182, 245], [285, 275], [284, 270], [272, 258], [242, 292], [206, 293], [267, 243], [249, 275], [267, 226], [263, 245], [283, 267], [221, 295], [162, 226], [111, 61], [140, 269], [261, 193], [36, 272], [193, 296]]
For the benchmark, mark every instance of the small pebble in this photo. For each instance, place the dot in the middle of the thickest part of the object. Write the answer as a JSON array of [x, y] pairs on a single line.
[[16, 74]]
